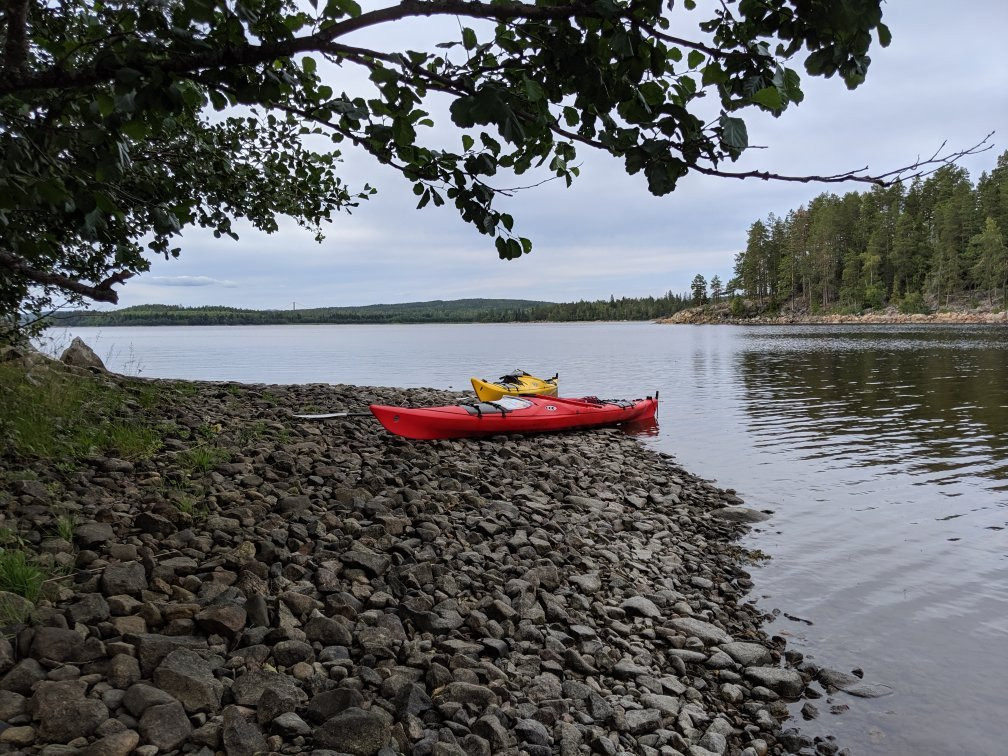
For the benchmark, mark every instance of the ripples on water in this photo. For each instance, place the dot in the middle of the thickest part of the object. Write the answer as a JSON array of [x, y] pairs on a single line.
[[931, 407]]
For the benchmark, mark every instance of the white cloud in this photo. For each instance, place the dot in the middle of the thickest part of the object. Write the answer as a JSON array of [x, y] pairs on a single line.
[[189, 281]]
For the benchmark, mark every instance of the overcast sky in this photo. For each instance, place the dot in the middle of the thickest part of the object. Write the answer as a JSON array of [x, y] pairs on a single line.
[[942, 78]]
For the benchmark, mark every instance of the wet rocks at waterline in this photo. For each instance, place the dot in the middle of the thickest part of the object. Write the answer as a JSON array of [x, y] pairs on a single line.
[[329, 588]]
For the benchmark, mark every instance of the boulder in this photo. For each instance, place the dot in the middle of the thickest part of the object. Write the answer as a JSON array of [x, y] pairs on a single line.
[[186, 676], [64, 713], [80, 354], [356, 731]]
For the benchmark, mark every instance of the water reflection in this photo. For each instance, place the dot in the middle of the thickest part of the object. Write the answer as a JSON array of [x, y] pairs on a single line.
[[645, 427], [933, 407]]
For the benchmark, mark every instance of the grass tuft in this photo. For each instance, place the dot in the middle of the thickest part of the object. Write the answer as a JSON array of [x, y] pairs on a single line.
[[188, 504], [20, 574], [132, 442], [66, 525], [202, 459]]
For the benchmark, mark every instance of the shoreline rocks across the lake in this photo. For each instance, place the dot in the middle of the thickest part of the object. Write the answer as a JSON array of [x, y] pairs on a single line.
[[268, 584], [890, 316]]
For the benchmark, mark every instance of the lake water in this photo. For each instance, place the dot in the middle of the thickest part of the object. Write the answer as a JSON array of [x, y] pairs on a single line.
[[883, 452]]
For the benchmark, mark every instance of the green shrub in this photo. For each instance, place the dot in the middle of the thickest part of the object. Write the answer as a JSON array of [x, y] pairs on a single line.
[[874, 297], [737, 307], [912, 303]]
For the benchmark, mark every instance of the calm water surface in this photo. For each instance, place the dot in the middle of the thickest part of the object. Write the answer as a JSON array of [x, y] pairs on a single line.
[[882, 451]]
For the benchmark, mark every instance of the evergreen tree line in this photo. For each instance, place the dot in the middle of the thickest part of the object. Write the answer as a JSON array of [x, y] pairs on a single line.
[[625, 308], [456, 311], [938, 242]]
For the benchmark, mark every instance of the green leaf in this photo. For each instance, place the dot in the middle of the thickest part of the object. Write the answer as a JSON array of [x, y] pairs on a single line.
[[106, 105], [663, 174], [821, 63], [695, 58], [190, 95], [135, 129], [884, 35], [104, 203], [713, 74], [340, 8], [308, 64], [403, 132], [769, 98], [490, 143], [218, 100], [469, 40], [533, 90], [467, 142], [792, 86], [734, 134], [652, 93]]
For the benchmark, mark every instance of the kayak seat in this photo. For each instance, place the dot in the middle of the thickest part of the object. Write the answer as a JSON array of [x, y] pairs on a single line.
[[483, 408]]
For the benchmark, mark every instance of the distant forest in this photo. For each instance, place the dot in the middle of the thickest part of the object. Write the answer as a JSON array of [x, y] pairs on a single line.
[[936, 242], [454, 311]]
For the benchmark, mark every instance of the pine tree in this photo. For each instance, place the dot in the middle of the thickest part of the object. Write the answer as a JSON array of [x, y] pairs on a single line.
[[991, 266], [715, 287], [699, 289]]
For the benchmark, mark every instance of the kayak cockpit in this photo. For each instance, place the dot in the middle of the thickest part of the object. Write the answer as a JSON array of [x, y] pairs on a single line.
[[503, 406]]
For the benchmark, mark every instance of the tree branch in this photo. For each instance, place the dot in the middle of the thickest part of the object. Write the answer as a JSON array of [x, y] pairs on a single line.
[[713, 52], [917, 169], [257, 54], [101, 292], [469, 8], [16, 47]]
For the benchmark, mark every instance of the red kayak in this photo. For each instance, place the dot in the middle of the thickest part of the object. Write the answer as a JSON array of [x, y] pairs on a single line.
[[525, 414]]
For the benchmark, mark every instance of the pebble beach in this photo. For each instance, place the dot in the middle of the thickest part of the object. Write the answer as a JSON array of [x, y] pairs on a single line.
[[271, 584]]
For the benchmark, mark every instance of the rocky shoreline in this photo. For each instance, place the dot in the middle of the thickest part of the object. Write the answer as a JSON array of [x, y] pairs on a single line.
[[327, 588], [889, 317]]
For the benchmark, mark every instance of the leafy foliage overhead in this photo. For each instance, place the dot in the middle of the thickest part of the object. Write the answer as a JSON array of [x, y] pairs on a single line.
[[121, 123]]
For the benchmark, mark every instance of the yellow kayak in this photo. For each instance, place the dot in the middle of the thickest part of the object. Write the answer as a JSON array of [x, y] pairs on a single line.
[[514, 384]]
